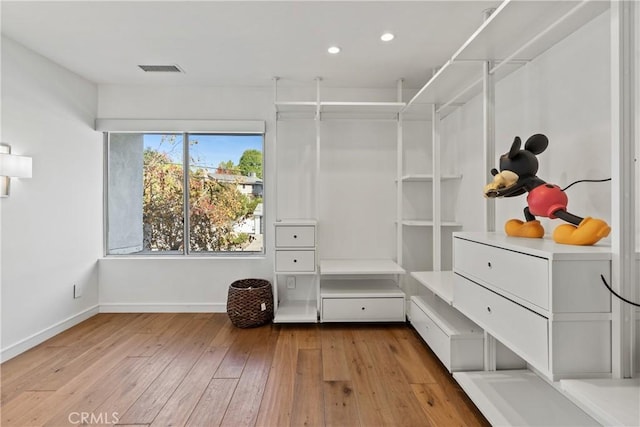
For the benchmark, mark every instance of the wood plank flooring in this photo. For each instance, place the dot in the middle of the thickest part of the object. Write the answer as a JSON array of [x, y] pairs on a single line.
[[199, 370]]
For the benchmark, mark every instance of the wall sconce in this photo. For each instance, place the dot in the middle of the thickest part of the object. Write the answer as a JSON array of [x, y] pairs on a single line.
[[12, 166]]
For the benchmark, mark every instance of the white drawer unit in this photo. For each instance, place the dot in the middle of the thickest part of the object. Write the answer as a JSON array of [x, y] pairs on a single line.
[[363, 309], [361, 299], [295, 236], [526, 277], [457, 341], [544, 301], [520, 329], [295, 261], [296, 279]]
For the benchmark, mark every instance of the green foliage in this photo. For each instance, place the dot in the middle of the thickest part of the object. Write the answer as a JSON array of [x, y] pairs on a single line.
[[162, 202], [251, 161], [215, 207], [227, 168]]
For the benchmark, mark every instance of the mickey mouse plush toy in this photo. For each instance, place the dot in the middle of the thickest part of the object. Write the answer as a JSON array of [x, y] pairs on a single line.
[[517, 176]]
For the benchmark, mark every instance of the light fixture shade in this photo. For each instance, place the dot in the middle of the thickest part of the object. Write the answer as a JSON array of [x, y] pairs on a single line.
[[15, 166]]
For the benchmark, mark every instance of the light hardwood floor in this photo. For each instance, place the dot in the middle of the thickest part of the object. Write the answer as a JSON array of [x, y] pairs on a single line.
[[199, 370]]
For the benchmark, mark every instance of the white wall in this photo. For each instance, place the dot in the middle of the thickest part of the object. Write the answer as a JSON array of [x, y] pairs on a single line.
[[357, 189], [565, 94], [51, 223]]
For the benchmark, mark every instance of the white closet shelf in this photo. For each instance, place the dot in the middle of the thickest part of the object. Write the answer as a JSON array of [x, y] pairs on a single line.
[[448, 319], [296, 221], [428, 177], [532, 28], [359, 266], [428, 223], [520, 398], [514, 34], [613, 402], [340, 106], [438, 282], [295, 273], [296, 312], [361, 288], [452, 78], [308, 106], [365, 107]]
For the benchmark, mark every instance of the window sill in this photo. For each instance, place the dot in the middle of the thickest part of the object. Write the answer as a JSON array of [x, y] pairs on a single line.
[[202, 257]]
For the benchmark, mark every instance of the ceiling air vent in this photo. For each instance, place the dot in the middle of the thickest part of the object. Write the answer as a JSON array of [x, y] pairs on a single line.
[[160, 68]]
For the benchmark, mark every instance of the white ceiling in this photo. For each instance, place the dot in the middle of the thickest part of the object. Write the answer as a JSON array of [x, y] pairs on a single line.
[[246, 43]]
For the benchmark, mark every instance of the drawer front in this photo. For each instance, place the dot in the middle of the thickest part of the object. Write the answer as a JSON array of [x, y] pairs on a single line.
[[296, 261], [522, 275], [436, 339], [363, 309], [295, 236], [518, 328]]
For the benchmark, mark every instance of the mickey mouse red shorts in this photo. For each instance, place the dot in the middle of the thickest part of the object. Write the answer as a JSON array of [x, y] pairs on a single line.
[[546, 199]]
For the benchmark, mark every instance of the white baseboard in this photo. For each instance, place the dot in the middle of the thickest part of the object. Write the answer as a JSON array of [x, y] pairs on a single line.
[[163, 308], [40, 337]]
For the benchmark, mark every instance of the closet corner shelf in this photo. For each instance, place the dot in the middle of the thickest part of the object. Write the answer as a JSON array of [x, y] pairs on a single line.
[[333, 267], [438, 282]]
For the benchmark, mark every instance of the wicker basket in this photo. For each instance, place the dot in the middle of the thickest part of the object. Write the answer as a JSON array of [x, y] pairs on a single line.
[[250, 303]]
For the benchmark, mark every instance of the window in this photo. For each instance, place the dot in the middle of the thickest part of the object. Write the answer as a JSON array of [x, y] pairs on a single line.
[[150, 212]]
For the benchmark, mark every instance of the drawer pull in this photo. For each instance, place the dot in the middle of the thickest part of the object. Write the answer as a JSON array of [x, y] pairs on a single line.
[[295, 236], [295, 260], [362, 308], [489, 264], [489, 309]]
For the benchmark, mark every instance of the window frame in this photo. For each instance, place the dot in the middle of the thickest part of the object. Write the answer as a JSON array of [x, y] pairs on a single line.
[[247, 128]]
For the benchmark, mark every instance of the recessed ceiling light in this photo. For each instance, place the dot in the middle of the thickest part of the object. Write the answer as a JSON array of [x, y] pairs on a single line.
[[333, 50], [387, 37]]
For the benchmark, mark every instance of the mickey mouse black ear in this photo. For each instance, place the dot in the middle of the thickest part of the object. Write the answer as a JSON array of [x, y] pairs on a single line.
[[515, 147], [537, 143]]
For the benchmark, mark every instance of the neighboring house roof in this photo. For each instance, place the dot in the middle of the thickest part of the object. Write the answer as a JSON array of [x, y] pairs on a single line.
[[236, 179]]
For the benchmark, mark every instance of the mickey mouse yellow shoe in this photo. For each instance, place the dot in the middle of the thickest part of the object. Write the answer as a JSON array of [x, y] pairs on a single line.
[[517, 228], [589, 232]]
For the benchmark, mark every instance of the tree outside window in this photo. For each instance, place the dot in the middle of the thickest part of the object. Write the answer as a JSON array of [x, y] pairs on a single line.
[[224, 201]]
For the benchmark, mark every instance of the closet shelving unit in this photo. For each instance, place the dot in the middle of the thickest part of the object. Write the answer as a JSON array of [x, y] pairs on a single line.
[[428, 178], [513, 34], [353, 289]]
